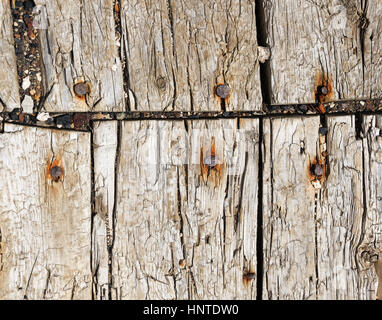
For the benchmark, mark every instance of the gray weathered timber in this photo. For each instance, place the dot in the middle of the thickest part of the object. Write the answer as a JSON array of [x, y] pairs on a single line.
[[78, 45], [45, 214], [180, 229], [9, 86], [105, 151], [335, 42], [288, 208], [178, 51], [370, 247], [313, 232], [339, 217]]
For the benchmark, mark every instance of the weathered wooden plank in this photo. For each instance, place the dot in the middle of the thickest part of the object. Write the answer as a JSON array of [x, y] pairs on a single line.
[[313, 227], [105, 150], [78, 45], [324, 42], [181, 230], [9, 86], [339, 217], [178, 51], [370, 248], [45, 214], [288, 208]]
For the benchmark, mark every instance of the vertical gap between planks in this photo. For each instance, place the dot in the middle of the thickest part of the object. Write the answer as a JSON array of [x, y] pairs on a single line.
[[266, 91], [262, 38], [111, 230], [259, 243], [92, 199], [119, 38]]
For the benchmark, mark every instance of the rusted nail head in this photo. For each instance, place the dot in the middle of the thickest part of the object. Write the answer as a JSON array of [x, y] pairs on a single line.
[[317, 170], [56, 172], [210, 161], [81, 89], [249, 275], [324, 90], [223, 91]]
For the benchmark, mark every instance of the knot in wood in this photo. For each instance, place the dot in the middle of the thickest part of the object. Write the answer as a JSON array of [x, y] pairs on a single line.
[[210, 161], [161, 82], [223, 91], [56, 173], [370, 257], [81, 89]]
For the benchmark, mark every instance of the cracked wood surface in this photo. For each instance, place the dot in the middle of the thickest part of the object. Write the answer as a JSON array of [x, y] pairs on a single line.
[[9, 85], [313, 237], [180, 230], [44, 225], [372, 233], [314, 39], [178, 51], [78, 44]]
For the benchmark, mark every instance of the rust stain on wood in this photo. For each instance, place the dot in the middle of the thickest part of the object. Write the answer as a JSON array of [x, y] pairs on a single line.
[[211, 165], [317, 172], [323, 89], [248, 277]]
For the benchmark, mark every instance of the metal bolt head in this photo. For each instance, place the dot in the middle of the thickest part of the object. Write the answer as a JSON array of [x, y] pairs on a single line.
[[210, 161], [249, 276], [324, 90], [81, 89], [56, 173], [223, 91], [317, 170]]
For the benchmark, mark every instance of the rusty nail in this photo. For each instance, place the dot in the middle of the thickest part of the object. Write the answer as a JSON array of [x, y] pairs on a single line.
[[249, 276], [56, 173], [223, 91], [210, 161], [317, 170], [81, 89], [324, 90]]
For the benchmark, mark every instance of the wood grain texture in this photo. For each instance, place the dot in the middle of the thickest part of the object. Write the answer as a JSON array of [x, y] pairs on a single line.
[[105, 151], [181, 230], [339, 217], [331, 41], [78, 44], [178, 51], [370, 249], [9, 86], [288, 208], [313, 236], [45, 225]]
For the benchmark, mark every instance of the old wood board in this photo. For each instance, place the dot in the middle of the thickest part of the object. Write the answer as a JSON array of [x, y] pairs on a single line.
[[324, 42], [179, 229], [78, 45], [9, 86], [45, 220], [315, 236], [178, 51]]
